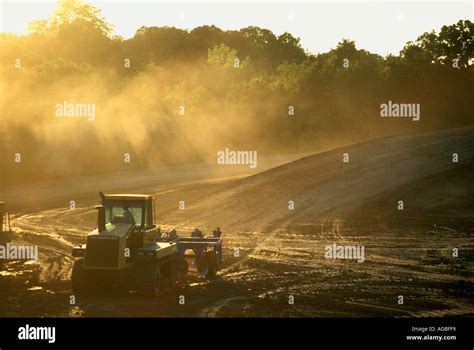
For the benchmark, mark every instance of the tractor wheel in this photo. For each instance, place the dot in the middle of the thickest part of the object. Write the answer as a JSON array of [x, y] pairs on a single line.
[[80, 282], [202, 264], [212, 264], [148, 280], [184, 267], [173, 271]]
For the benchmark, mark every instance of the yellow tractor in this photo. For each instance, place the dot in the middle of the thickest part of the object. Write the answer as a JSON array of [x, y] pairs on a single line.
[[128, 251]]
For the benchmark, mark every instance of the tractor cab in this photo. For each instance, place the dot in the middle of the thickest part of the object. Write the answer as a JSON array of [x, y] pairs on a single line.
[[134, 210], [130, 214]]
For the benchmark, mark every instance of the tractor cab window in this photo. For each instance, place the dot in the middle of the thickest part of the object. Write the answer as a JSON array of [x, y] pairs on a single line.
[[124, 214]]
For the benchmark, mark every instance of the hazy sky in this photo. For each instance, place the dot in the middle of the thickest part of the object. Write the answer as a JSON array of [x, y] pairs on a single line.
[[378, 26]]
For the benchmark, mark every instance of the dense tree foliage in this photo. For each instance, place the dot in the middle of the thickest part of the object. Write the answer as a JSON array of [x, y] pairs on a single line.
[[235, 86]]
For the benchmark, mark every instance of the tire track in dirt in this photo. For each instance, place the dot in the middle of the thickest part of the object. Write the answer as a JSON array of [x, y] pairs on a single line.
[[284, 253]]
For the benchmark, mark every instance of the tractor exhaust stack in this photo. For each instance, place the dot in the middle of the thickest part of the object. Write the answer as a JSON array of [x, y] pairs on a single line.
[[100, 218]]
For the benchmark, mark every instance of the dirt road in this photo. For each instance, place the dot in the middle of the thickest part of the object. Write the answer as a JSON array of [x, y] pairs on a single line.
[[275, 262]]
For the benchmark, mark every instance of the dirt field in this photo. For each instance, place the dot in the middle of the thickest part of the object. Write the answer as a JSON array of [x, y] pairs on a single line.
[[408, 252]]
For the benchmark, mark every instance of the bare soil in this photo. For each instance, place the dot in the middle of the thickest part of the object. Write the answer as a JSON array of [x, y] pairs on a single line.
[[281, 252]]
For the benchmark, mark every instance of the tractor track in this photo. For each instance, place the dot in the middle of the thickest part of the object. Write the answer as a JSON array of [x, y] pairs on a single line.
[[281, 253]]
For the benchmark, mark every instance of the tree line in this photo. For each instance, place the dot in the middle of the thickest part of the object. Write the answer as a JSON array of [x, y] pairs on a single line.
[[202, 90]]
